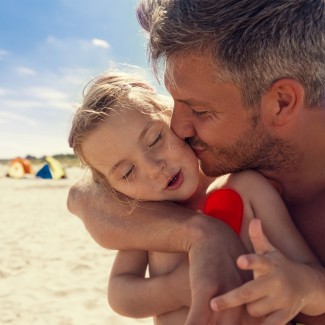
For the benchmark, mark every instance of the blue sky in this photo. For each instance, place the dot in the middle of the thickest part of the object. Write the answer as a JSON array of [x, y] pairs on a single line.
[[48, 52]]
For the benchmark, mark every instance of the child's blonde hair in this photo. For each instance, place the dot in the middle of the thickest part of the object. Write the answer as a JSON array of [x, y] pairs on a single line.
[[112, 91]]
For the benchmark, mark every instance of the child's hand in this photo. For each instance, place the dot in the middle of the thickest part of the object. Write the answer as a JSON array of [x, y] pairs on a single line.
[[280, 286]]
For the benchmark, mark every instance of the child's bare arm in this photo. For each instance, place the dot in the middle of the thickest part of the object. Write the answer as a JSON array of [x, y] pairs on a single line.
[[262, 201], [281, 287], [287, 277], [131, 294]]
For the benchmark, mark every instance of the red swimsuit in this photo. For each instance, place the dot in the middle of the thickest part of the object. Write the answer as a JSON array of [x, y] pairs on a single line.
[[226, 205]]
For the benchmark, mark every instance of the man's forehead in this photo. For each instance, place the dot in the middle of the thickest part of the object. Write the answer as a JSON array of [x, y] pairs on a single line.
[[188, 72], [177, 72]]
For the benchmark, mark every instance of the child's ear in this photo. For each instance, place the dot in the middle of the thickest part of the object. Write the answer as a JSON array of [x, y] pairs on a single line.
[[283, 101]]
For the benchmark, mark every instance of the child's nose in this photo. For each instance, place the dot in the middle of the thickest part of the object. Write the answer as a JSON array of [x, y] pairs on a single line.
[[155, 167]]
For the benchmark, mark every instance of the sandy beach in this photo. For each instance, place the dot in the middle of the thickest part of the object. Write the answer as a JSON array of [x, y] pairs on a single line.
[[51, 270]]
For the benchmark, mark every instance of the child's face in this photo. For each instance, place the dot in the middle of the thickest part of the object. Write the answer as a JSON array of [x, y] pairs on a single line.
[[142, 158]]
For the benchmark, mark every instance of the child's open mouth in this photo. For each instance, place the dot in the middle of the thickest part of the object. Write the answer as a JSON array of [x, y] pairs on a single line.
[[176, 181]]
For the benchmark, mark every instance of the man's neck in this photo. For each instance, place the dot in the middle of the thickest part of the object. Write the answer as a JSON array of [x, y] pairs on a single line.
[[305, 182]]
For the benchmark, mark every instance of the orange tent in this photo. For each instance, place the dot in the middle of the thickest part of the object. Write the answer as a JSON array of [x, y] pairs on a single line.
[[18, 167]]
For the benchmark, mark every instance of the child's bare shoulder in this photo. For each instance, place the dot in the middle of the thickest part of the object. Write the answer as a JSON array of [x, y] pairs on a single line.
[[218, 183], [240, 181], [244, 178]]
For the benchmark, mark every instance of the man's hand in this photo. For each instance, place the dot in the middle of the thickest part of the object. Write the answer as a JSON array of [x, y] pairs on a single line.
[[278, 289], [213, 271], [212, 247]]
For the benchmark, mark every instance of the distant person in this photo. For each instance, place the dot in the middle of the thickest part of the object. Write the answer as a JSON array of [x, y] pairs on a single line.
[[121, 131]]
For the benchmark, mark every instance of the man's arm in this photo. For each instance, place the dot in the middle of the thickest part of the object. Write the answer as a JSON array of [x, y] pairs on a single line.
[[156, 226], [211, 245]]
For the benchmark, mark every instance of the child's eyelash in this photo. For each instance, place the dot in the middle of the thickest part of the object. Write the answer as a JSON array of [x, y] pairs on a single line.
[[128, 173], [156, 140]]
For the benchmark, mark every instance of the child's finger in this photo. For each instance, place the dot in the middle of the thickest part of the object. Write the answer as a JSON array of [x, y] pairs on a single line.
[[260, 242], [261, 265], [244, 294], [278, 317], [265, 307]]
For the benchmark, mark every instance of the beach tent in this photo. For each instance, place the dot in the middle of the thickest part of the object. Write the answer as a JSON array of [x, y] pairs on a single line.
[[44, 172], [19, 167], [53, 169]]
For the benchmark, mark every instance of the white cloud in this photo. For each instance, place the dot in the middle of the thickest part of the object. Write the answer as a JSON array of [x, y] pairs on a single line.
[[34, 145], [100, 43], [32, 105], [54, 41], [5, 92], [9, 117], [50, 97], [74, 52], [41, 106], [26, 71], [36, 98], [18, 104], [3, 53], [46, 93]]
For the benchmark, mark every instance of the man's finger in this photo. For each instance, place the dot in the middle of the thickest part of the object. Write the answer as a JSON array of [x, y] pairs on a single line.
[[199, 313]]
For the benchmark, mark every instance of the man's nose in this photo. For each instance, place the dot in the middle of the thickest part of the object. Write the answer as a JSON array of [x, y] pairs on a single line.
[[181, 122]]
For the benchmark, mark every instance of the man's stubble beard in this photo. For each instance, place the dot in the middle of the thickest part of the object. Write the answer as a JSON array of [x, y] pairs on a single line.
[[256, 149]]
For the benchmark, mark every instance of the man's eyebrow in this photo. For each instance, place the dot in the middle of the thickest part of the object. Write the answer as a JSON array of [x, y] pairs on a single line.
[[192, 102], [141, 136]]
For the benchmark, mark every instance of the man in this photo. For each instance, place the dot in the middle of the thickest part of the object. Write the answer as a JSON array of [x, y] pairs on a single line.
[[248, 81]]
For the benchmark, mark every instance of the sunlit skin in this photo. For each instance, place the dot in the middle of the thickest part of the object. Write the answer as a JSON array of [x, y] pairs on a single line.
[[283, 144], [226, 136], [142, 158], [282, 138]]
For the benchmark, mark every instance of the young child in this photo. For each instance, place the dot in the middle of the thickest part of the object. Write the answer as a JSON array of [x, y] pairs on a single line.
[[121, 131]]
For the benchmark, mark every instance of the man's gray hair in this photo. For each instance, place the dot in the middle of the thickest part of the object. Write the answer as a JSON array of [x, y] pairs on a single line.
[[252, 43]]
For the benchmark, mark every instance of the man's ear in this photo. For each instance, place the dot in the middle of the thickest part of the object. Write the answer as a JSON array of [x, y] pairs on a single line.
[[283, 101]]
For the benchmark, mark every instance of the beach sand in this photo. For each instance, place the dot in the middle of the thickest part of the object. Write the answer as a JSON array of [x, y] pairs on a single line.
[[51, 270]]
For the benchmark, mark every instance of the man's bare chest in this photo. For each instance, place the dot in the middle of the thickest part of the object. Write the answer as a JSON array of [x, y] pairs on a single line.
[[310, 220]]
